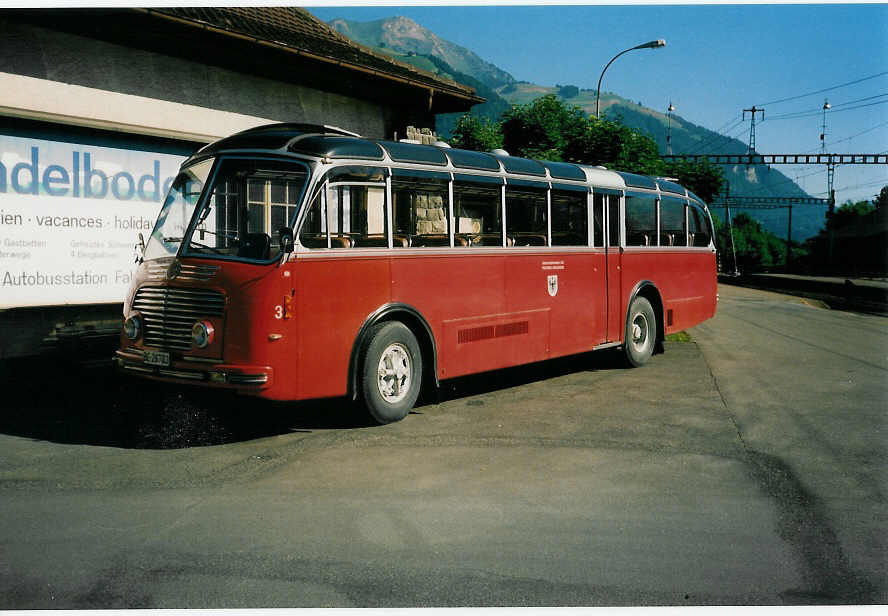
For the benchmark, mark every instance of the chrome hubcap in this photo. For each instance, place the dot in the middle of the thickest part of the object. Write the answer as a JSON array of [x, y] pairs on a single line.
[[393, 373], [639, 331]]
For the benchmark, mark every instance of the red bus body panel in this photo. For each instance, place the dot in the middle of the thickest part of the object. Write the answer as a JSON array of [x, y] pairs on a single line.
[[685, 279], [486, 310], [335, 294]]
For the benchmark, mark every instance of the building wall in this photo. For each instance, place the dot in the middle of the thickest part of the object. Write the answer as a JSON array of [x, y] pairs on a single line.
[[65, 97], [38, 52]]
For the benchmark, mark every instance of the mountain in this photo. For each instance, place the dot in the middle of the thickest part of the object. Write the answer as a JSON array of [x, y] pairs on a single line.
[[748, 180], [401, 35], [407, 41]]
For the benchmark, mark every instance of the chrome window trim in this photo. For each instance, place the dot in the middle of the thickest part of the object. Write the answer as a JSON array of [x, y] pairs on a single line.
[[549, 216], [389, 224], [502, 177], [451, 233], [504, 237]]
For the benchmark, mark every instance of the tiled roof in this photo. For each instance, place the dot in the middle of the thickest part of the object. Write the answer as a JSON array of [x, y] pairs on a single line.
[[296, 29]]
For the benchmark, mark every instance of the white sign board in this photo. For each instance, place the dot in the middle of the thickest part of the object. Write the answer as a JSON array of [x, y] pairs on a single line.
[[70, 216]]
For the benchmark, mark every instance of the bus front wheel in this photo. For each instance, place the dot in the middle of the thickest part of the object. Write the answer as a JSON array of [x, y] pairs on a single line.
[[391, 372], [641, 332]]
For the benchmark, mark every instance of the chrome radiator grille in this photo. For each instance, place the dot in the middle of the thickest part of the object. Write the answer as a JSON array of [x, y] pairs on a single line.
[[159, 269], [170, 312]]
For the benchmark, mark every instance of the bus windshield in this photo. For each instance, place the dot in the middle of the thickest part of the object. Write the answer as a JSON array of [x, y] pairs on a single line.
[[177, 211], [248, 204]]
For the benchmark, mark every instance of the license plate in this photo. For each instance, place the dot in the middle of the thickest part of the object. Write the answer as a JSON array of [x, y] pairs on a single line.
[[157, 358]]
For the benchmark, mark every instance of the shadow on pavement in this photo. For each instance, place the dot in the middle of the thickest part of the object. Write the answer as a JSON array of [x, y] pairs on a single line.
[[91, 404], [60, 401], [485, 382]]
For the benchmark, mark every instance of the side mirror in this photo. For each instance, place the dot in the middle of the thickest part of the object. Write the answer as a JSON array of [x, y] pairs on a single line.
[[140, 248], [286, 235]]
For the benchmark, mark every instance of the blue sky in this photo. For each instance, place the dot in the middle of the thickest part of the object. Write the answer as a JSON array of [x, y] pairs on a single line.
[[719, 59]]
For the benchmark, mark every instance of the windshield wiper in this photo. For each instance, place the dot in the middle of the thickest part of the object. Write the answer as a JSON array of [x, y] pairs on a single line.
[[172, 239], [225, 234]]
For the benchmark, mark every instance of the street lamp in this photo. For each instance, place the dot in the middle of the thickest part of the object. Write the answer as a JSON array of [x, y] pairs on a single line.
[[648, 45], [669, 111]]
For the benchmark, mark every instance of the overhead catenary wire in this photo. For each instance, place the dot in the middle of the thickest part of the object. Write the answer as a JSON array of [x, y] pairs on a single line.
[[729, 130], [813, 112], [829, 89], [880, 182], [883, 182], [854, 136], [721, 136]]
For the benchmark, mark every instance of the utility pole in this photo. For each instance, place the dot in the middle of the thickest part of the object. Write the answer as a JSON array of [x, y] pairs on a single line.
[[830, 192], [736, 271], [669, 111], [830, 166], [754, 110], [789, 239], [830, 182]]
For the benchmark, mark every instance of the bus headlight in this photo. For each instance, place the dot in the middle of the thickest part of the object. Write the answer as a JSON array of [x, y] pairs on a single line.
[[132, 327], [202, 334]]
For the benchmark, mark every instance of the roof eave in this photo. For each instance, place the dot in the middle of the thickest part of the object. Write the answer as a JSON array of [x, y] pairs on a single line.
[[454, 98]]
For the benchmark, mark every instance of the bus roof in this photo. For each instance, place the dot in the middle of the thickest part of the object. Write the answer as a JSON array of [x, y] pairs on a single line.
[[332, 143]]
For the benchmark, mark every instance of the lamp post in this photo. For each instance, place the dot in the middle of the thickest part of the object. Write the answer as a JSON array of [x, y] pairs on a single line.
[[669, 111], [826, 107], [648, 45]]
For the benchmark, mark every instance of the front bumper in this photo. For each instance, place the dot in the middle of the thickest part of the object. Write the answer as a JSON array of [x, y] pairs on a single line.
[[197, 371]]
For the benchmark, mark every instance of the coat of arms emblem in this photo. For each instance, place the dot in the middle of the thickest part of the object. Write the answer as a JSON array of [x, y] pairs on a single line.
[[553, 285]]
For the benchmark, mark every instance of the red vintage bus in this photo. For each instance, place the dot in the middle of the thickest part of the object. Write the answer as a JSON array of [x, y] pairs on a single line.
[[297, 261]]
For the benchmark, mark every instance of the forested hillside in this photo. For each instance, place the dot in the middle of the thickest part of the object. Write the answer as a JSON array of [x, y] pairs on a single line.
[[408, 41]]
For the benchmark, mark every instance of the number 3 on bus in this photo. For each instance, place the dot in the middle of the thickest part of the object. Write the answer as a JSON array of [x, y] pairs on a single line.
[[295, 262]]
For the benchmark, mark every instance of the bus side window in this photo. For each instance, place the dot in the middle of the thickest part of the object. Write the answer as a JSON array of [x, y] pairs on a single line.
[[349, 211], [698, 227], [419, 213], [271, 204], [598, 201], [641, 220], [526, 217], [570, 224], [356, 216], [477, 211], [672, 222], [252, 211], [314, 229], [613, 221], [284, 203], [226, 198]]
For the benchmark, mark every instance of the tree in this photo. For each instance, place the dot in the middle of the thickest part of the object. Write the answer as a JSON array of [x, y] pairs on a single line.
[[541, 129], [756, 248], [848, 214], [702, 178], [476, 133], [846, 243], [882, 199], [567, 91], [614, 145], [549, 129]]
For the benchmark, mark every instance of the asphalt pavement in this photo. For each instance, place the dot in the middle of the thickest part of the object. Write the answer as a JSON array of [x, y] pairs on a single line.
[[744, 468]]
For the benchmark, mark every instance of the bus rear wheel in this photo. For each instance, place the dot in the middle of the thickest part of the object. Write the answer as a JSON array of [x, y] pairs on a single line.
[[391, 371], [641, 332]]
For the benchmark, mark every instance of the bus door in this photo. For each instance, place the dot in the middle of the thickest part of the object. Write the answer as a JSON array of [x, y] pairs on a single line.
[[607, 212]]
